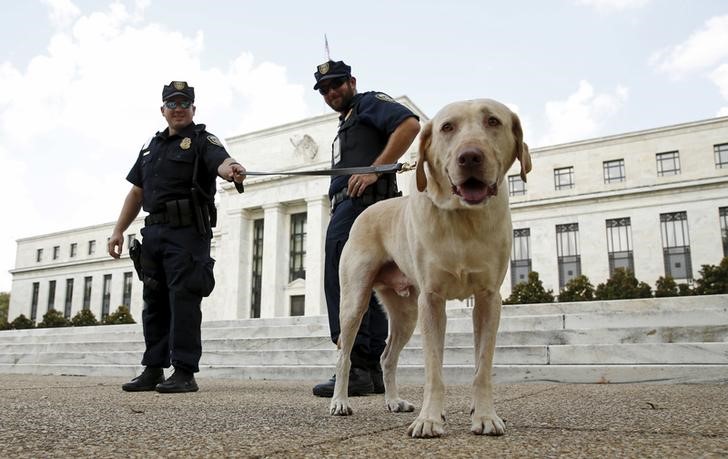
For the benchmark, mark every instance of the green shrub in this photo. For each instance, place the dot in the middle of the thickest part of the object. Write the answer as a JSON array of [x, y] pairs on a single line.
[[52, 319], [577, 289], [4, 325], [623, 285], [21, 323], [530, 292], [84, 318], [684, 290], [666, 286], [713, 279], [120, 316]]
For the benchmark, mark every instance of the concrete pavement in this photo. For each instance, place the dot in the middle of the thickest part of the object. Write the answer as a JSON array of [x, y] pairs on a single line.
[[72, 416]]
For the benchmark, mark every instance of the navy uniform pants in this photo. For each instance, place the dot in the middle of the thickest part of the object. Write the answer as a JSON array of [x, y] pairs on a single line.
[[372, 334], [178, 259]]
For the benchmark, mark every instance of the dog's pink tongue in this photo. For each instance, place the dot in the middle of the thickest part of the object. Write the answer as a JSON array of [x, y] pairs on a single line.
[[473, 194]]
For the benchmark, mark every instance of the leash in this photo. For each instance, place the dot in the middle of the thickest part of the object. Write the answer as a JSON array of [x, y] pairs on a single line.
[[380, 169]]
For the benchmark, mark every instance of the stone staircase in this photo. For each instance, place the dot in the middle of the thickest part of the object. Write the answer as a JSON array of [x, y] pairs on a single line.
[[657, 340]]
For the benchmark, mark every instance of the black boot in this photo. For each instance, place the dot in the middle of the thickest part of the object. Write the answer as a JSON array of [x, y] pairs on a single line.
[[180, 381], [360, 383], [146, 381], [377, 378]]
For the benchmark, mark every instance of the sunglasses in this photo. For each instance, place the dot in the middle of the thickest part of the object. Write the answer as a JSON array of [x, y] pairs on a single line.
[[172, 104], [334, 84]]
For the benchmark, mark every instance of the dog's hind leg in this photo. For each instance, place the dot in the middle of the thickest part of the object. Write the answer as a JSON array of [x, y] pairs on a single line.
[[430, 422], [486, 316], [402, 312]]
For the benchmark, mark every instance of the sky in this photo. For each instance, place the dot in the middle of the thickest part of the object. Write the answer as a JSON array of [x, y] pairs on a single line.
[[80, 81]]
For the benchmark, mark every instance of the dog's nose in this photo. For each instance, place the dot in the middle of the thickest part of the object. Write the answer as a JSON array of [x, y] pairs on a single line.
[[470, 157]]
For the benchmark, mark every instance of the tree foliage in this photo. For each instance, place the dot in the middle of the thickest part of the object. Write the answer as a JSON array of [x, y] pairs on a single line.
[[623, 285], [713, 279], [21, 323], [84, 318], [530, 292], [666, 286], [577, 289], [53, 319], [122, 315], [4, 305]]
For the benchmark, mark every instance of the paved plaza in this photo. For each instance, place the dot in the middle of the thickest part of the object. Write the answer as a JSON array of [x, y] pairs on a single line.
[[74, 416]]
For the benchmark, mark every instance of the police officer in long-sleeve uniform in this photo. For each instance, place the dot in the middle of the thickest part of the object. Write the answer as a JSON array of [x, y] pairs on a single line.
[[173, 180], [373, 130]]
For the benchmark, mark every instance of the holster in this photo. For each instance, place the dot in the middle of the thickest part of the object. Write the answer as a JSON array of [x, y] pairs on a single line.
[[201, 214], [384, 188], [135, 253]]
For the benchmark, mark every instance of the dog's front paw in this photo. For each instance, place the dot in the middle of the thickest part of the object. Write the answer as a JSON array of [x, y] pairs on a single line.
[[340, 408], [488, 425], [426, 428], [398, 405]]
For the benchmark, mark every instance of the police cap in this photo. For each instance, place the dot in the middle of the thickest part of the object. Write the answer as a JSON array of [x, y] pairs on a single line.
[[329, 70], [178, 88]]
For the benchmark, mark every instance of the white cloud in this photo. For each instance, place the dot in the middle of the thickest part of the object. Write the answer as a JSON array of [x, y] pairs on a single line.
[[608, 6], [73, 120], [61, 12], [582, 114], [703, 49]]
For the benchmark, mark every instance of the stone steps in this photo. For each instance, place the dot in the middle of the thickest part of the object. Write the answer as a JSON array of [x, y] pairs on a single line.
[[681, 339]]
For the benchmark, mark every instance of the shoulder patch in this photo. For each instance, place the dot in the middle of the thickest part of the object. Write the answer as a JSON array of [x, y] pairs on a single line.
[[384, 97], [215, 141]]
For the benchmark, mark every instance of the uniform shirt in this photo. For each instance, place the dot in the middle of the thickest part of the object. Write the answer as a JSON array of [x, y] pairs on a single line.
[[165, 165], [373, 109]]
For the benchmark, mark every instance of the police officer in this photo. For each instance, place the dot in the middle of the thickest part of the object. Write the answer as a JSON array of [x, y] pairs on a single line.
[[173, 180], [373, 130]]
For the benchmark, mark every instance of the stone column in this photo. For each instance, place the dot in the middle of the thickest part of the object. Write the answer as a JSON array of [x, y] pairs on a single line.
[[274, 261], [317, 209]]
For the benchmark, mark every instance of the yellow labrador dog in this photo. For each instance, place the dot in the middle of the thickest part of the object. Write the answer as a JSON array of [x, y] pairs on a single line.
[[450, 238]]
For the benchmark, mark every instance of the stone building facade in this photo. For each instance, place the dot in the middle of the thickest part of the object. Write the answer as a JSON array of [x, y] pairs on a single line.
[[655, 201]]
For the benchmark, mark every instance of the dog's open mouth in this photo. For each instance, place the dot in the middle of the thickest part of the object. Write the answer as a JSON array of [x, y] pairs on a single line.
[[473, 191]]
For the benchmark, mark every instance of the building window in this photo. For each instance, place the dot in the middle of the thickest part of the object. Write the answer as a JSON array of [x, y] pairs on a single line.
[[721, 155], [676, 245], [126, 296], [564, 178], [39, 255], [567, 250], [69, 299], [106, 298], [619, 244], [668, 163], [298, 303], [91, 247], [520, 256], [34, 301], [51, 294], [298, 247], [614, 171], [516, 186], [257, 277], [72, 251], [87, 292], [723, 212], [56, 251]]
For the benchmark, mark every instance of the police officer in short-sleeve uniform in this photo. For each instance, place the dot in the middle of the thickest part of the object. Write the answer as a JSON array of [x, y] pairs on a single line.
[[373, 130], [173, 180]]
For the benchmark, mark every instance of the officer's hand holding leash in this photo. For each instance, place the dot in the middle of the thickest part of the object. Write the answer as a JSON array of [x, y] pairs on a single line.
[[233, 171], [359, 182]]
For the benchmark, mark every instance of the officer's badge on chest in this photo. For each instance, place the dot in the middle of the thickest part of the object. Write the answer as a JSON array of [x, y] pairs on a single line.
[[186, 143]]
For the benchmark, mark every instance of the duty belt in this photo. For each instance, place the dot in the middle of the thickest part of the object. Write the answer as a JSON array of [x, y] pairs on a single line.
[[156, 218]]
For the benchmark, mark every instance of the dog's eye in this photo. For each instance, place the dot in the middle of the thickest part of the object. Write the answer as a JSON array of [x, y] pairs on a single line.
[[493, 121], [447, 127]]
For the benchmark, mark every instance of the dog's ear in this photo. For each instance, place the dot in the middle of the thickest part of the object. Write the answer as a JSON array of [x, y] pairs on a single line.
[[522, 154], [425, 138]]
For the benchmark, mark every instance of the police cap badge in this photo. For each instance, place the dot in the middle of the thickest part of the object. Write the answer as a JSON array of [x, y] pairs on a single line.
[[330, 70]]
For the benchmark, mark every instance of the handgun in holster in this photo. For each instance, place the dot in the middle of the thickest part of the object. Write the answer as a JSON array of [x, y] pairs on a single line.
[[135, 253]]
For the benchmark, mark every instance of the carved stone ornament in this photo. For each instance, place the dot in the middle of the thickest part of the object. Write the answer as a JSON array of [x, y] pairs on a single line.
[[305, 146]]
